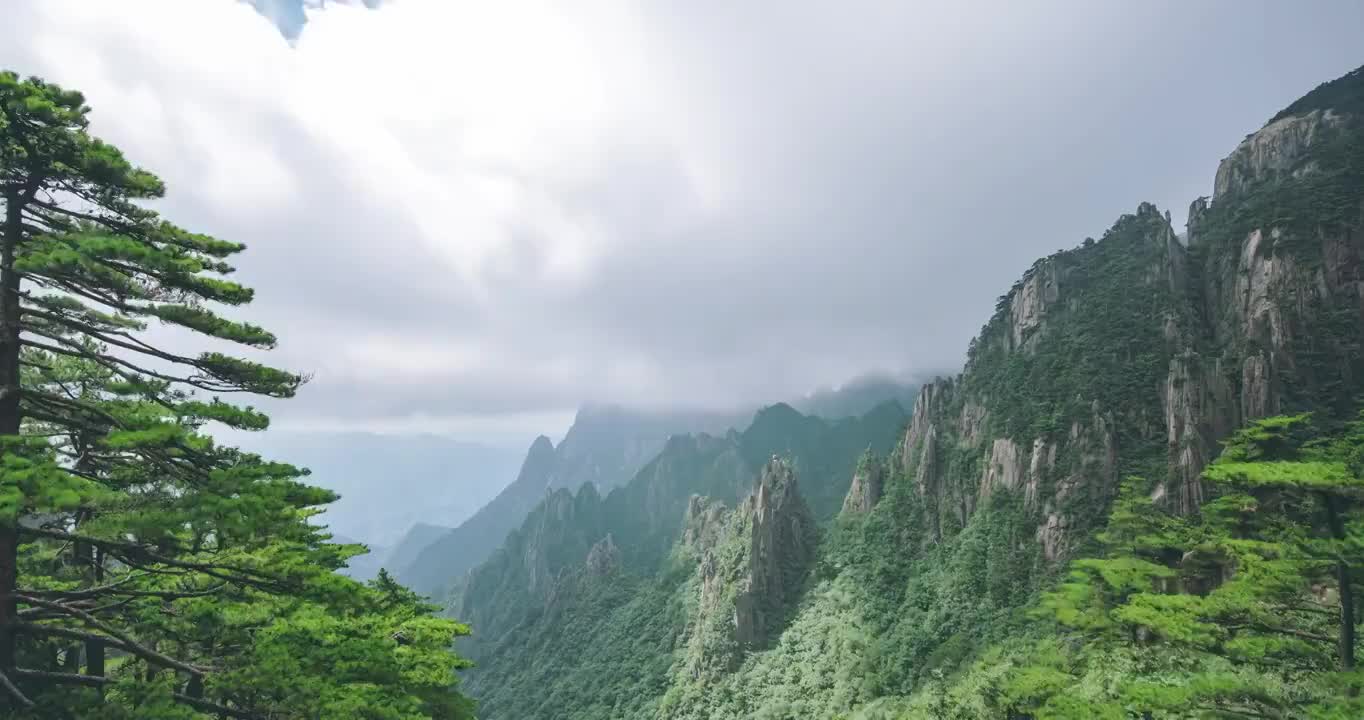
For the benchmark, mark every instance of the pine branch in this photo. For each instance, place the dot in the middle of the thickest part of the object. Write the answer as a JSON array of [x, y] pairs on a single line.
[[124, 226], [115, 364], [74, 286], [74, 594], [107, 336], [129, 644], [207, 706], [189, 472], [14, 691], [73, 634], [256, 580], [113, 589], [218, 571], [1302, 634]]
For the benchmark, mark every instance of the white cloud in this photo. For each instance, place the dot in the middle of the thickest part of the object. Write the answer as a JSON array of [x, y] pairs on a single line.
[[460, 210]]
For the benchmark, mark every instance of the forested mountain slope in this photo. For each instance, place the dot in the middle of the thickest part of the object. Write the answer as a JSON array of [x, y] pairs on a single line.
[[1130, 355], [593, 577], [605, 446]]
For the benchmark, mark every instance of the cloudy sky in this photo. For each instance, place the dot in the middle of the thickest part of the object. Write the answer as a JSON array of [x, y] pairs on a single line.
[[470, 217]]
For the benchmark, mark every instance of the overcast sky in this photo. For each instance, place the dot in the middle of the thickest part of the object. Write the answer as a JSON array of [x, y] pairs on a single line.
[[470, 217]]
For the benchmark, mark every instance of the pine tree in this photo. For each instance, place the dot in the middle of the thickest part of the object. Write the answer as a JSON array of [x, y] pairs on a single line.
[[146, 571], [1245, 611]]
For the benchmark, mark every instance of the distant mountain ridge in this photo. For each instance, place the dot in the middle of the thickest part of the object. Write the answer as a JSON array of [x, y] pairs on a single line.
[[390, 482], [571, 541], [858, 396], [606, 446]]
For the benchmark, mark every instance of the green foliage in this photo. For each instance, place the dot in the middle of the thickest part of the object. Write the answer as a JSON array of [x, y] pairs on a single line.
[[1344, 94], [146, 571], [1104, 350], [603, 651], [553, 630], [1241, 597]]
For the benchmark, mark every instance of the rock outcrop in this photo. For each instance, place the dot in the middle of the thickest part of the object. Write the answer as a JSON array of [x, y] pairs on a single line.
[[933, 398], [1047, 395], [1003, 468], [604, 557], [1193, 399], [752, 567], [1028, 309], [1278, 288], [1138, 351], [703, 524], [1277, 149], [868, 483], [1092, 453], [781, 548]]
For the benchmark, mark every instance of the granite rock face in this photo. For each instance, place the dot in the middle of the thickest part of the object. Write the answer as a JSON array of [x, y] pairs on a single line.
[[1277, 149], [703, 523], [752, 568], [868, 484], [781, 549], [604, 557], [1254, 313], [1028, 310]]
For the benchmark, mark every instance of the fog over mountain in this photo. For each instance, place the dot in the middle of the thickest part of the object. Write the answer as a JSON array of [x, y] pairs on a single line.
[[658, 203], [388, 483], [677, 360]]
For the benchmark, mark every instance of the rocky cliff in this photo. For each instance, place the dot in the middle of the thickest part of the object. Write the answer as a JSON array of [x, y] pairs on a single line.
[[604, 557], [781, 546], [1067, 371], [1281, 149], [1136, 354], [752, 567], [867, 485], [1276, 280]]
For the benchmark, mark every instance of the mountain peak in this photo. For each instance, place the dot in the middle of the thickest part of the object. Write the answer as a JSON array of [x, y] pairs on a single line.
[[1344, 94], [541, 445]]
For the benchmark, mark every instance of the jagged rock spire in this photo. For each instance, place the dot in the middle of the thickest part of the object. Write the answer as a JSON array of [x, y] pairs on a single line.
[[867, 485]]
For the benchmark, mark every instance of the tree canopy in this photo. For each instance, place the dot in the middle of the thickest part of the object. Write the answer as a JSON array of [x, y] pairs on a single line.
[[145, 570], [1246, 610]]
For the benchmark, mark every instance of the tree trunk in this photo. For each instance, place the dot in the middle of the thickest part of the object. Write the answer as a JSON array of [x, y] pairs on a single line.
[[91, 561], [94, 649], [1347, 617], [9, 414], [1347, 594], [9, 558]]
